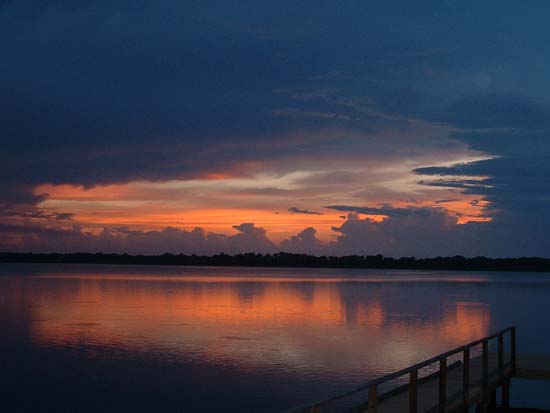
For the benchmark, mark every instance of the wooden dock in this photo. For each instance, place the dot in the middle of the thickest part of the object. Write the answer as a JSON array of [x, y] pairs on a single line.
[[534, 367], [471, 380]]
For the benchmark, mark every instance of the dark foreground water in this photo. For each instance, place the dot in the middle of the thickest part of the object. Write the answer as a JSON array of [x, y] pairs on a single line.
[[124, 339]]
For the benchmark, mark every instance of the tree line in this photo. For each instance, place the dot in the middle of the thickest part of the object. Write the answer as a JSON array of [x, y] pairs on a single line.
[[283, 259]]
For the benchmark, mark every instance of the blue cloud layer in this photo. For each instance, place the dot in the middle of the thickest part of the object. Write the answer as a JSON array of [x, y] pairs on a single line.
[[116, 91]]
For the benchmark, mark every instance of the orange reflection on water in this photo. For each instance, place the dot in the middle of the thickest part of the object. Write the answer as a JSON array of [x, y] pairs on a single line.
[[371, 315], [468, 322], [250, 324]]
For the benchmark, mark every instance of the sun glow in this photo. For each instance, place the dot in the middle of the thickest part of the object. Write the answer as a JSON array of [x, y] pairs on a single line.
[[283, 204]]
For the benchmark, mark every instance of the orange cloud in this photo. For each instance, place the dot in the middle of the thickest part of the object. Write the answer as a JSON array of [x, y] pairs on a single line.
[[218, 201]]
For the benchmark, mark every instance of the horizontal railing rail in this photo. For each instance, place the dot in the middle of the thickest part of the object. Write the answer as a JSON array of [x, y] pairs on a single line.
[[412, 371]]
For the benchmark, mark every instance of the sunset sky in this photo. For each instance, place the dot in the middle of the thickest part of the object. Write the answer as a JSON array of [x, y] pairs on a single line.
[[349, 127]]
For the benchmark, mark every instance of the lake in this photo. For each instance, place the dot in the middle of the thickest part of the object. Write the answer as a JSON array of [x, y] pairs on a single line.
[[144, 338]]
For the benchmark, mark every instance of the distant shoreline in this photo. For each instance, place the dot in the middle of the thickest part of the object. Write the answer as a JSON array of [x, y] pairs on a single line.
[[287, 260]]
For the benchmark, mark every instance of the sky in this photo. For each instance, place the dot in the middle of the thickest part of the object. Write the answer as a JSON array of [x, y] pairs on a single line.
[[351, 127]]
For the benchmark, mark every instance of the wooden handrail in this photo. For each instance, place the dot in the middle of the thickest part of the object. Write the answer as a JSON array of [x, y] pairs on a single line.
[[412, 371]]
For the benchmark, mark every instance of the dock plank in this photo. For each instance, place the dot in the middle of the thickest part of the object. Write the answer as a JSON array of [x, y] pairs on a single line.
[[533, 366]]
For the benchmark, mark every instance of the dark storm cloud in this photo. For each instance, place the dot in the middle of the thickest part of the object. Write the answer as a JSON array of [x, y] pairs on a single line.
[[516, 180], [113, 91], [116, 91], [98, 92], [497, 111]]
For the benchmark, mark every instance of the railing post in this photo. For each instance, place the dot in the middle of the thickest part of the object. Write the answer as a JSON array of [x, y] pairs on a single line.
[[372, 406], [413, 391], [506, 396], [466, 376], [485, 372], [442, 384], [513, 348], [492, 407], [501, 355], [485, 361]]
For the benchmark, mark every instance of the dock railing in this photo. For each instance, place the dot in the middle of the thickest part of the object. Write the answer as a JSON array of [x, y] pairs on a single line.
[[373, 386]]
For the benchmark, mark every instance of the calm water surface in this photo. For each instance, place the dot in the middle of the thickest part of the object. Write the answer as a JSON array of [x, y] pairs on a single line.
[[123, 338]]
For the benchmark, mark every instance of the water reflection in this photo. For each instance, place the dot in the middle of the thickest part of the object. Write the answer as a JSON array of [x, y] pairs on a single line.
[[336, 328], [278, 337]]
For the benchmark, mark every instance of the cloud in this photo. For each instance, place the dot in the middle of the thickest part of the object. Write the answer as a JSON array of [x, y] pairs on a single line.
[[295, 210], [496, 111], [517, 133], [465, 184], [250, 238], [444, 201], [60, 216], [304, 242], [297, 113], [387, 210], [37, 213], [157, 91], [172, 91], [431, 233], [123, 240]]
